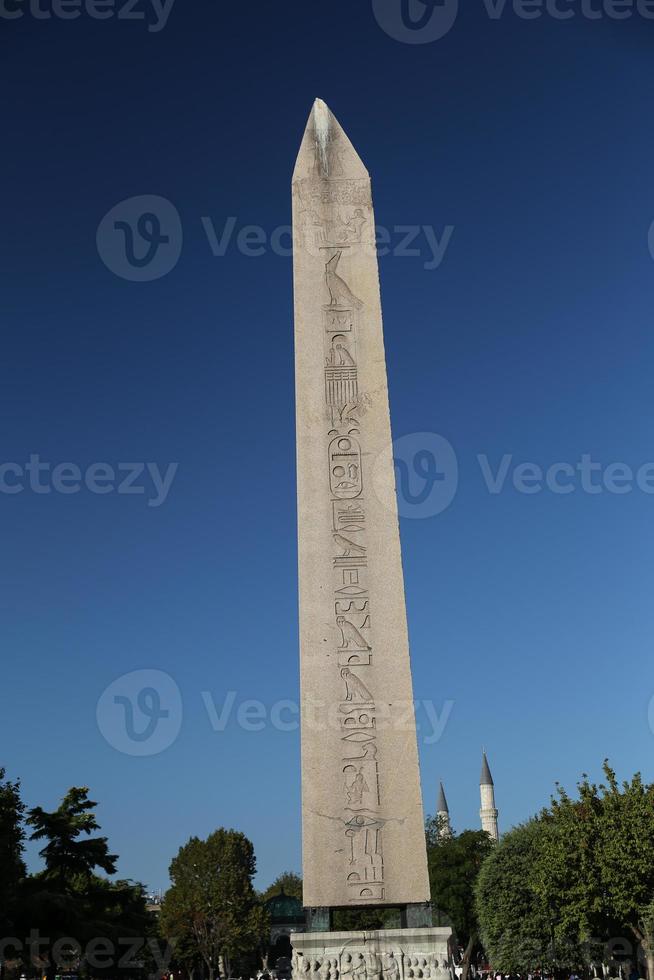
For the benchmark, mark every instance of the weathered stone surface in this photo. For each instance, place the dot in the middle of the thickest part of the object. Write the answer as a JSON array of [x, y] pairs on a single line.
[[386, 954], [363, 830]]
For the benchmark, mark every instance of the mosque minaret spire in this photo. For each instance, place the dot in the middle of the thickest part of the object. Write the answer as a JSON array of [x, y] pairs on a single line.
[[443, 811], [488, 811]]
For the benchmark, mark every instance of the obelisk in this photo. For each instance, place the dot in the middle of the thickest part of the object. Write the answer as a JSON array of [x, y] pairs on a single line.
[[363, 829]]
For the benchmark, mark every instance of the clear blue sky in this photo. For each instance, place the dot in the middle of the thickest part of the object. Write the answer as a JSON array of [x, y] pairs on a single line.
[[534, 337]]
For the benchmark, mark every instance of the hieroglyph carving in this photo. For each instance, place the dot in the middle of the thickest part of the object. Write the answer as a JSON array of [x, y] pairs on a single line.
[[352, 613]]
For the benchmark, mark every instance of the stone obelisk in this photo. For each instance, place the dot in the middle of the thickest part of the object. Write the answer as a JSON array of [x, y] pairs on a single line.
[[363, 830]]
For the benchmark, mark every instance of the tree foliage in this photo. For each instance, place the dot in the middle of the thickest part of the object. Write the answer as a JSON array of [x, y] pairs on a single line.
[[515, 919], [598, 867], [12, 836], [454, 862], [581, 873], [211, 910], [67, 897], [289, 882], [68, 854]]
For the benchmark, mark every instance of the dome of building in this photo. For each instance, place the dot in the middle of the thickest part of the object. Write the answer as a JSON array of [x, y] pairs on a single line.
[[285, 908]]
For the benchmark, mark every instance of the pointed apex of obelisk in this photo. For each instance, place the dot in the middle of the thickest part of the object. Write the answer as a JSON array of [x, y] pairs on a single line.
[[326, 152]]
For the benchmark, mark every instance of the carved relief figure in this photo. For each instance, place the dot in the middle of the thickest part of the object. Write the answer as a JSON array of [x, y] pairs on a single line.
[[355, 690], [356, 789], [339, 355], [391, 967], [340, 293], [373, 965], [303, 965], [359, 967], [340, 231], [350, 636], [346, 967], [312, 228], [353, 227]]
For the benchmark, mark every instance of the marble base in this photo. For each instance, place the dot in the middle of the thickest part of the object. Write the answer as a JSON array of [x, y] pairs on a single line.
[[383, 954]]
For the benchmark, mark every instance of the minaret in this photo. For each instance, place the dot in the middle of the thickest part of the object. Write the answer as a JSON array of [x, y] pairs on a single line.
[[443, 811], [488, 812]]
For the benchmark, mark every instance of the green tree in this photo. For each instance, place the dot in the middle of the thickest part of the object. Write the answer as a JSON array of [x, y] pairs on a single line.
[[571, 879], [516, 921], [211, 909], [289, 882], [12, 836], [454, 862], [68, 897], [598, 863], [70, 851]]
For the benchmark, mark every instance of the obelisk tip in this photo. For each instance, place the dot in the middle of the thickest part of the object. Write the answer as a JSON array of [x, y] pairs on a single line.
[[326, 151]]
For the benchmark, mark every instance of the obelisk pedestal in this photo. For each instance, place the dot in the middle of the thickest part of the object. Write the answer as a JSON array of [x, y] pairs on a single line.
[[362, 817]]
